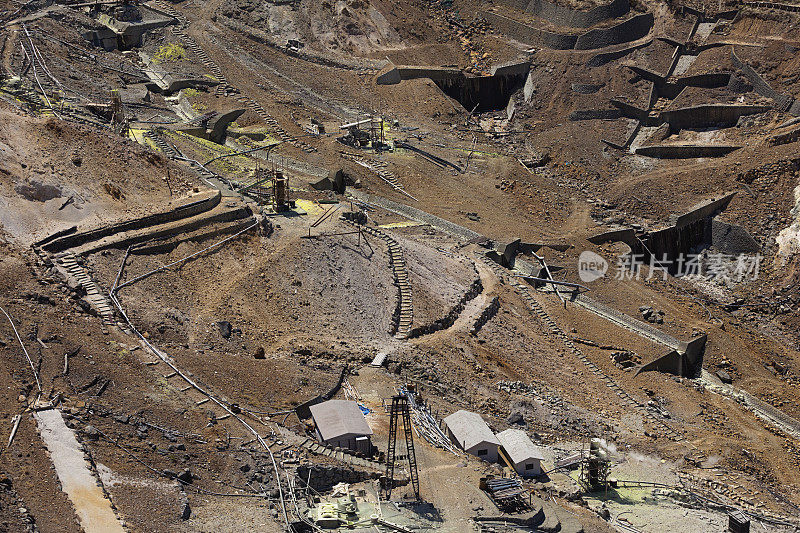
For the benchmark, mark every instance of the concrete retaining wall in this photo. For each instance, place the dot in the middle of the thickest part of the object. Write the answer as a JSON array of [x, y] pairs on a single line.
[[703, 116], [674, 240], [774, 5], [689, 230], [630, 30], [487, 92], [606, 57], [671, 89], [685, 151], [160, 232], [184, 211], [782, 101], [738, 85], [413, 213], [528, 34], [642, 328], [626, 235], [561, 15], [630, 111], [527, 89], [705, 210], [303, 410]]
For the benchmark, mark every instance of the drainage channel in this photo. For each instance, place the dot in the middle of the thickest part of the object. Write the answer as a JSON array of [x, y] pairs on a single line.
[[91, 505]]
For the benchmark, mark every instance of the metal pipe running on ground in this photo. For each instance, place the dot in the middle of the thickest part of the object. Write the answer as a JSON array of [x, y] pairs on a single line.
[[113, 295]]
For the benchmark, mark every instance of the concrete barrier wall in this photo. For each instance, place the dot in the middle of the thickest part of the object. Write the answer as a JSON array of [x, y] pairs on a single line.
[[712, 80], [321, 58], [527, 89], [703, 116], [774, 5], [630, 110], [486, 92], [184, 211], [647, 74], [687, 231], [704, 211], [606, 57], [709, 17], [630, 30], [303, 410], [782, 101], [642, 328], [561, 15], [512, 68], [451, 228], [652, 98], [738, 85], [528, 34], [626, 235], [123, 240], [434, 73], [685, 151], [673, 241], [166, 246]]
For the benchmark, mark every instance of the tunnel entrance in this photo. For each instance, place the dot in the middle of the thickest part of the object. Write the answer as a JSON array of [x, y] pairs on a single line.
[[488, 93]]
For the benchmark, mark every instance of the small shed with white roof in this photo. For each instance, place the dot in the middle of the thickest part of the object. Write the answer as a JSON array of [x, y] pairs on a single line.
[[341, 424], [469, 432], [517, 449]]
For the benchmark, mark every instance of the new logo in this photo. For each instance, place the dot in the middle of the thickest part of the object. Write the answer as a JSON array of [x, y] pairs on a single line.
[[591, 266]]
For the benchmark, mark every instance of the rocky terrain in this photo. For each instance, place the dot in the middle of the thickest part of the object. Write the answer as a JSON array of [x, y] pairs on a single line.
[[180, 312]]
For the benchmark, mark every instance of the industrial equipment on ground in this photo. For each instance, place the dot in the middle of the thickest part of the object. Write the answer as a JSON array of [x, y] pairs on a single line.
[[506, 493], [595, 467], [364, 134]]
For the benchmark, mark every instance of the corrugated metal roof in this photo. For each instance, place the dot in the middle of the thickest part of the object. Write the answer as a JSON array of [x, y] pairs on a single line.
[[335, 418], [519, 446], [469, 429]]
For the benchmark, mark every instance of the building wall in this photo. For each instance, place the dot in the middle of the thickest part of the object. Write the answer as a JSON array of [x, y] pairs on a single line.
[[348, 442], [491, 451], [535, 471]]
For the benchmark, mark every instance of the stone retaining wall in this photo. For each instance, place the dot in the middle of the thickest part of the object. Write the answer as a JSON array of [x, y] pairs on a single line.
[[184, 211], [703, 116], [449, 319]]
